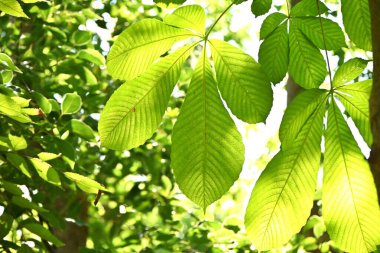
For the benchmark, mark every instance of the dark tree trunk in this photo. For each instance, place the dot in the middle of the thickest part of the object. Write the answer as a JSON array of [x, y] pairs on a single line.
[[73, 235], [374, 103]]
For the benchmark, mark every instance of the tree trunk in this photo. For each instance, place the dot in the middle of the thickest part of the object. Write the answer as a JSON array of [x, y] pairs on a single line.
[[374, 103]]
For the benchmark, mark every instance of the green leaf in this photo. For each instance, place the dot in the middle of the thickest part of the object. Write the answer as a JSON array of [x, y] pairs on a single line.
[[11, 109], [33, 1], [24, 203], [81, 38], [207, 150], [332, 33], [71, 103], [241, 82], [12, 7], [350, 207], [42, 102], [6, 76], [20, 163], [44, 233], [188, 17], [349, 71], [297, 113], [136, 48], [260, 7], [6, 222], [306, 64], [271, 23], [283, 196], [92, 55], [308, 8], [17, 142], [86, 184], [7, 62], [82, 130], [46, 156], [11, 187], [21, 101], [355, 98], [357, 22], [46, 172], [135, 110], [274, 54], [89, 76]]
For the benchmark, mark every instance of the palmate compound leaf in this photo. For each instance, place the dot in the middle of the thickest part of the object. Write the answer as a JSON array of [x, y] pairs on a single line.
[[350, 207], [135, 110], [307, 8], [208, 152], [271, 23], [355, 98], [241, 82], [283, 195], [188, 17], [306, 64], [139, 45], [297, 113], [357, 22], [274, 54]]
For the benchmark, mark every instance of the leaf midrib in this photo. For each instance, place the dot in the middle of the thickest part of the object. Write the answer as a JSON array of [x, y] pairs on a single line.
[[153, 87], [348, 176], [241, 86], [148, 43], [294, 162]]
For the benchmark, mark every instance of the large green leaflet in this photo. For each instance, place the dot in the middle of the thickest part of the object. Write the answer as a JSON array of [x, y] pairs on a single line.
[[306, 63], [139, 45], [260, 7], [357, 22], [283, 196], [274, 54], [349, 197], [241, 82], [12, 7], [355, 98], [136, 109], [208, 152]]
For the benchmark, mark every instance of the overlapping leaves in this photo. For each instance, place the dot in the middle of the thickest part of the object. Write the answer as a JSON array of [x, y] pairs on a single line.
[[282, 198], [297, 50], [208, 152]]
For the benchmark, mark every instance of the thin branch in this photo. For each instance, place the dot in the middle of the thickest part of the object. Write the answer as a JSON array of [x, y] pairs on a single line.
[[217, 20]]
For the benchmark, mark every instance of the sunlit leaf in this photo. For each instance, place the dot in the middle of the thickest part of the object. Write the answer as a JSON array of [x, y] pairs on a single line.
[[349, 71], [20, 163], [357, 22], [139, 45], [188, 17], [46, 172], [208, 153], [12, 7], [308, 8], [274, 54], [82, 129], [86, 184], [306, 64], [283, 195], [271, 23], [135, 110], [350, 208], [71, 103], [92, 55], [241, 82], [260, 7]]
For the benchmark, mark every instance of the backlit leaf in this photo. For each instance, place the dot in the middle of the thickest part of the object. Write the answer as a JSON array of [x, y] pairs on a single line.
[[350, 208], [241, 82], [188, 17], [208, 153]]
